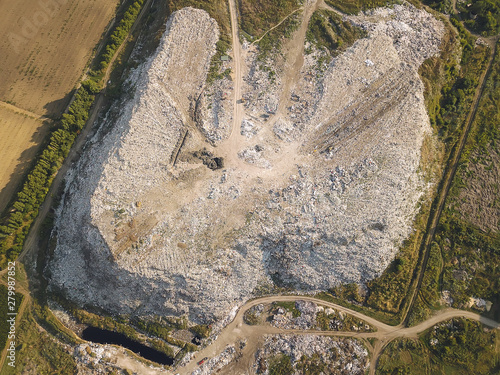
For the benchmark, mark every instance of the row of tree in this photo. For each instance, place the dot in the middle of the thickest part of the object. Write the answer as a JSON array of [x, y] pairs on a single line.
[[120, 33]]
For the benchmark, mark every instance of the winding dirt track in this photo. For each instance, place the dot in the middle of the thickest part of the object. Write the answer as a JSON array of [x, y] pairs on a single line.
[[237, 330]]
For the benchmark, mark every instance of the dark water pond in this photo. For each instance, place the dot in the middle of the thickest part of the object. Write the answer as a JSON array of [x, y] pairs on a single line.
[[103, 336]]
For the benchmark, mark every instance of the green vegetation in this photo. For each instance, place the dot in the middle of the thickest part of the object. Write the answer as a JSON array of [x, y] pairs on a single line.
[[161, 346], [347, 323], [258, 16], [404, 356], [456, 95], [391, 319], [273, 40], [218, 10], [455, 347], [481, 16], [355, 6], [288, 306], [470, 256], [329, 33], [430, 282], [103, 322], [463, 346], [201, 330], [312, 365], [347, 292], [162, 327], [475, 255], [39, 353], [485, 131], [280, 365], [428, 295], [119, 34], [251, 318], [46, 319], [159, 327]]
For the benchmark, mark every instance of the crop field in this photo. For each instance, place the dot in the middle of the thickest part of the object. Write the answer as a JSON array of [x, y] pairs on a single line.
[[20, 134], [45, 48]]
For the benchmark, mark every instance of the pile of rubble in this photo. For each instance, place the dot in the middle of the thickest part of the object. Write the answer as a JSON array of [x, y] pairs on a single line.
[[213, 365], [403, 24], [308, 318], [308, 199], [214, 110], [339, 356]]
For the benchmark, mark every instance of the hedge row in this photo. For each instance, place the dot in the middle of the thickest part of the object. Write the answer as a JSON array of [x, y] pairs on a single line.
[[120, 33]]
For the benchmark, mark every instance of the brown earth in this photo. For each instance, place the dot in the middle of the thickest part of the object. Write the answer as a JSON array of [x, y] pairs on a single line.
[[45, 48], [20, 135]]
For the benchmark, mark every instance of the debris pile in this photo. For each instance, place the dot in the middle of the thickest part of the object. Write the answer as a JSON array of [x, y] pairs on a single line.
[[342, 356], [318, 186]]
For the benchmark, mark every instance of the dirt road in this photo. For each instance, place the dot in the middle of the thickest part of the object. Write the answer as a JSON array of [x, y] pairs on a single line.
[[238, 330], [238, 78]]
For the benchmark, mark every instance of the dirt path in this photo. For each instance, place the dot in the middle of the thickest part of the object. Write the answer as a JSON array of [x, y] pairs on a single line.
[[295, 61], [324, 5], [275, 26], [235, 142], [22, 111]]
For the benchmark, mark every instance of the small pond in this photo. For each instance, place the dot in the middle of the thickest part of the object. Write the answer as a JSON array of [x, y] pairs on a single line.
[[103, 336]]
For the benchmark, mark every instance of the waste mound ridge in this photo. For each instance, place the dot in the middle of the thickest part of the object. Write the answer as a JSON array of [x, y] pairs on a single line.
[[317, 192]]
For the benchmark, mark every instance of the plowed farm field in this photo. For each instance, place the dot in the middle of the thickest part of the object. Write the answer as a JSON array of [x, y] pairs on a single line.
[[20, 135], [45, 48]]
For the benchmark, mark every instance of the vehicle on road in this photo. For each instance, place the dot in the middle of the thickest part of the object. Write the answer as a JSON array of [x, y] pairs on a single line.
[[202, 361]]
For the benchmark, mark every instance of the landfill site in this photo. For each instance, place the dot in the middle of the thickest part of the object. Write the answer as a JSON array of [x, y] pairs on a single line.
[[198, 197]]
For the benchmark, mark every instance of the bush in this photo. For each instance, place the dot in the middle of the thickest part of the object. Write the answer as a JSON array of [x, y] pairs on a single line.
[[281, 365]]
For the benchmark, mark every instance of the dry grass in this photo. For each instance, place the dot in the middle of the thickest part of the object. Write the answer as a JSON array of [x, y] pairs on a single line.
[[46, 47], [20, 136]]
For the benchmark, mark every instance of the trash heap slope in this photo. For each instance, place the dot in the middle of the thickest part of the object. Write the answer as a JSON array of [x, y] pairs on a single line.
[[318, 190]]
